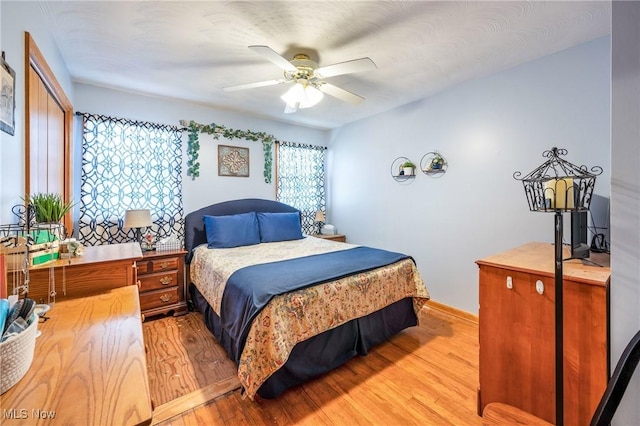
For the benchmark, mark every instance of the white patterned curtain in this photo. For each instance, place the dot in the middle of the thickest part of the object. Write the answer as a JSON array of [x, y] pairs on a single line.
[[300, 180], [129, 165]]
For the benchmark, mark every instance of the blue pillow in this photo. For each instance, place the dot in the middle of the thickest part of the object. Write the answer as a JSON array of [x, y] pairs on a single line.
[[279, 227], [232, 230]]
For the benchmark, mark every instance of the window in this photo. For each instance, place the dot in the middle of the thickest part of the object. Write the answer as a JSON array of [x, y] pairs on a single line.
[[129, 165], [300, 180]]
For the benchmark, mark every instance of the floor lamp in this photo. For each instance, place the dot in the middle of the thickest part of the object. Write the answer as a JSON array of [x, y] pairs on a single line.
[[558, 186]]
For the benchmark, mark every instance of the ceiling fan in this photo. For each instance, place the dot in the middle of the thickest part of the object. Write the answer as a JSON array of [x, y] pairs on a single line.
[[308, 78]]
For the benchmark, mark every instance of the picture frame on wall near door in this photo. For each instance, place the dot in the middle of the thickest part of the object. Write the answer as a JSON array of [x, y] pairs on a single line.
[[7, 97]]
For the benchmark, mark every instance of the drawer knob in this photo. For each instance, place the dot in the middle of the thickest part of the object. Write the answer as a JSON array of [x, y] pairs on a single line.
[[139, 283], [166, 280], [164, 265], [165, 297]]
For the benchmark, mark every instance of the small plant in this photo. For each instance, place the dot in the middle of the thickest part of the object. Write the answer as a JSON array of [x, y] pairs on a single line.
[[48, 208], [437, 162], [408, 164]]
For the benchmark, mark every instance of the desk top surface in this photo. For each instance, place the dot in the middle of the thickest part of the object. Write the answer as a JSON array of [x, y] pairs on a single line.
[[89, 366], [98, 254], [539, 258]]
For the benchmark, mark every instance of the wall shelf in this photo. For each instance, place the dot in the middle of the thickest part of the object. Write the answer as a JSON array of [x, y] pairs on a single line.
[[396, 170]]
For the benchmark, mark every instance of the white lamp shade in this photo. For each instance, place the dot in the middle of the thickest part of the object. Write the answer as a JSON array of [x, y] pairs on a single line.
[[302, 96], [137, 218], [319, 216]]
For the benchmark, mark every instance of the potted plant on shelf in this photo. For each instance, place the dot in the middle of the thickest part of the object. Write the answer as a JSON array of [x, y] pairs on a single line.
[[437, 162], [49, 209], [408, 168]]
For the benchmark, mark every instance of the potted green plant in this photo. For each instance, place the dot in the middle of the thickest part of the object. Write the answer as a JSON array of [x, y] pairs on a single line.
[[408, 168], [437, 163], [48, 208]]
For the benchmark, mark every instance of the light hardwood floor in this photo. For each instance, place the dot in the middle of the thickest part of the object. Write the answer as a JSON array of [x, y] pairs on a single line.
[[426, 375]]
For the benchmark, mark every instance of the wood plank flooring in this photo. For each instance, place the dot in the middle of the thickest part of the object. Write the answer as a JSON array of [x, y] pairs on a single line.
[[425, 375], [183, 357]]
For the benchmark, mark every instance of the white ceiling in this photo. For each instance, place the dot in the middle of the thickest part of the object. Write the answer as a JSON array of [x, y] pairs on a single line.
[[190, 50]]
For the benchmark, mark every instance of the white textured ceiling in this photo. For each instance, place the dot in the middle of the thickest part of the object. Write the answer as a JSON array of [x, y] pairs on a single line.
[[192, 49]]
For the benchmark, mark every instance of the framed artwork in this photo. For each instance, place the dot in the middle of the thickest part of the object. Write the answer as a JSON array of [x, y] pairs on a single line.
[[233, 161], [7, 97]]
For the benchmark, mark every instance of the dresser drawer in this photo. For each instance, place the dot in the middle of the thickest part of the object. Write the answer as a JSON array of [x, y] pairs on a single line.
[[159, 280], [158, 265], [157, 298]]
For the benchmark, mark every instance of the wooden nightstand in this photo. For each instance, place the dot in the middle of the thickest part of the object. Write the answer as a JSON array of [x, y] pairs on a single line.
[[336, 237], [162, 283]]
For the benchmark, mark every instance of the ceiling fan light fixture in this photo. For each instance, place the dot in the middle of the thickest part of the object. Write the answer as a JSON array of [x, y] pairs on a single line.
[[302, 95]]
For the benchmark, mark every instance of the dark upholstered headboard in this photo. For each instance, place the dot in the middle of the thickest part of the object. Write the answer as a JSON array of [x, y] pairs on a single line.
[[194, 233]]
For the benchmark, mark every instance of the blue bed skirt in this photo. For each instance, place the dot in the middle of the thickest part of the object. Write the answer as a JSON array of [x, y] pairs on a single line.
[[324, 352]]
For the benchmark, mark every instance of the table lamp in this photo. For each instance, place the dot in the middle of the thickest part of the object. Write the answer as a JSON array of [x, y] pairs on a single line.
[[137, 219], [320, 219]]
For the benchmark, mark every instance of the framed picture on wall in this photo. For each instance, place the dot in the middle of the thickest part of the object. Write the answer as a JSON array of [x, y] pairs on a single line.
[[233, 161], [7, 97]]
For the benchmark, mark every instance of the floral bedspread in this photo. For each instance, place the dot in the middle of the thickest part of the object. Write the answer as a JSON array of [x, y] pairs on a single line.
[[296, 316]]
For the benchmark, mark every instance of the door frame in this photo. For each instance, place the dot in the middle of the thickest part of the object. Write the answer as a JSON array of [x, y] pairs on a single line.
[[35, 59]]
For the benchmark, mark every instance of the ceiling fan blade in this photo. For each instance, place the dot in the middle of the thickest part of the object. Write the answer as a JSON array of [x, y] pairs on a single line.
[[253, 85], [271, 55], [341, 94], [348, 67]]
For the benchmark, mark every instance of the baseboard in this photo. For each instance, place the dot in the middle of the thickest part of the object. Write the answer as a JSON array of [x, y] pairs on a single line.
[[194, 399], [432, 304]]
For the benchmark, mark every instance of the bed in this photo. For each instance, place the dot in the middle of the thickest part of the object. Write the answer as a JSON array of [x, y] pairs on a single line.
[[288, 307]]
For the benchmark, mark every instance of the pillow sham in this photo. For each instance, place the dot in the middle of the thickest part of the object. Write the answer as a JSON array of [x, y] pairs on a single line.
[[279, 227], [232, 230]]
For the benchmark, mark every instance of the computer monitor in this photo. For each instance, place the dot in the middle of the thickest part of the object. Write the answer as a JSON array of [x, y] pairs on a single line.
[[599, 224], [579, 235]]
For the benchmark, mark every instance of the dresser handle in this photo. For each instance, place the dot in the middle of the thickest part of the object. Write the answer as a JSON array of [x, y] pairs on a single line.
[[139, 284], [164, 265], [165, 297], [166, 280]]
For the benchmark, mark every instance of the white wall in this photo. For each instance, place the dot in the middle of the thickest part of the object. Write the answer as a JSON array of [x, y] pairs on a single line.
[[15, 19], [208, 188], [487, 129], [625, 194]]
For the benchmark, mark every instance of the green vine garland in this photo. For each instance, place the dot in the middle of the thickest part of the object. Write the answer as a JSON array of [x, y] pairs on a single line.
[[193, 145]]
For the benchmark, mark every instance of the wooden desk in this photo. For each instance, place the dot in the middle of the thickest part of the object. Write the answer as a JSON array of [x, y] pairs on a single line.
[[99, 269], [89, 366], [517, 328]]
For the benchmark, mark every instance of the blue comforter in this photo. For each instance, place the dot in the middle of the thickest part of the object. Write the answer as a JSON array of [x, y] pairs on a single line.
[[249, 289]]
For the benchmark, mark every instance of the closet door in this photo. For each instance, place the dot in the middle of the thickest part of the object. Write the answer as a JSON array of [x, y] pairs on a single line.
[[46, 139]]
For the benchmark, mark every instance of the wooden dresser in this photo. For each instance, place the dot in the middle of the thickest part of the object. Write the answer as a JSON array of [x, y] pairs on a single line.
[[517, 346], [162, 282], [89, 366], [99, 269]]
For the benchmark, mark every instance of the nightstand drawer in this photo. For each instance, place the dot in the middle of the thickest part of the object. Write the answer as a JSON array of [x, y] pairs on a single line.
[[159, 280], [157, 298], [157, 265]]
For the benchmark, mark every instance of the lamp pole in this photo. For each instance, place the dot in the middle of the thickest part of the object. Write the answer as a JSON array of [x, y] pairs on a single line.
[[559, 320]]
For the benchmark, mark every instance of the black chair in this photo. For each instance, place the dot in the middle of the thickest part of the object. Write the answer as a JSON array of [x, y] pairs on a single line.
[[618, 383]]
